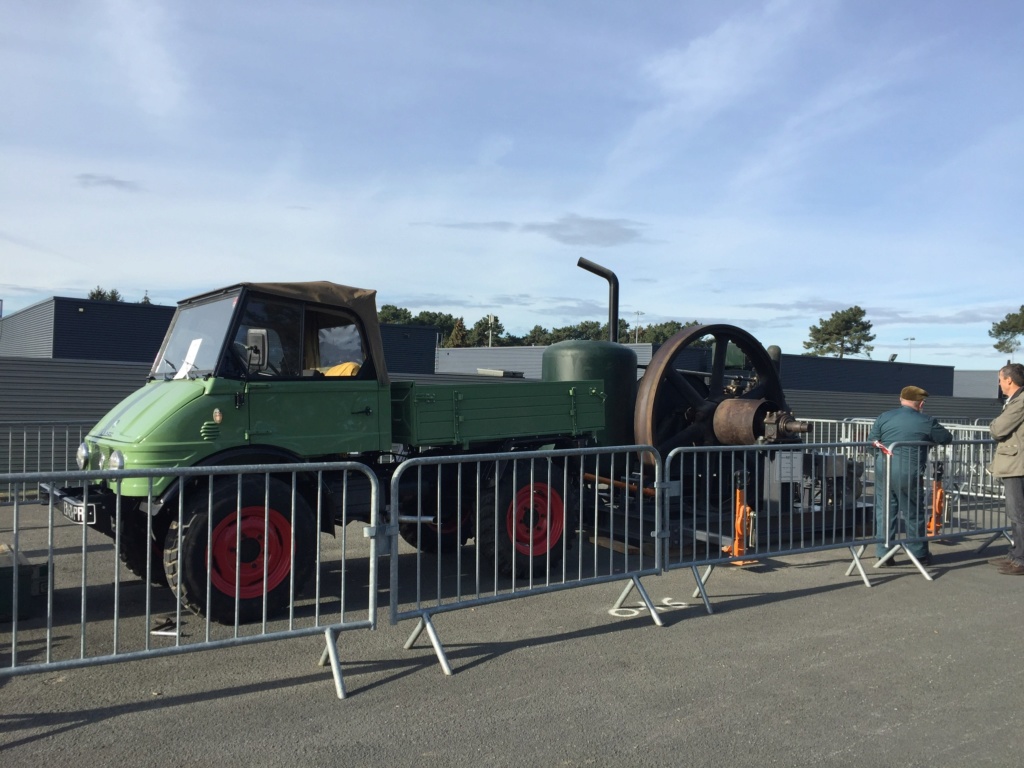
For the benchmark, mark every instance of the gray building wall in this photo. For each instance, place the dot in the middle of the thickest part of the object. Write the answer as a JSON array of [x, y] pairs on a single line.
[[409, 348], [525, 360], [105, 330], [54, 364], [851, 405], [33, 389], [83, 329], [821, 374], [975, 383], [816, 388], [829, 374], [28, 333]]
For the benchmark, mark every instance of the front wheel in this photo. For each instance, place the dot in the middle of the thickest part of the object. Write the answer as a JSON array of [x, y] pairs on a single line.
[[138, 544], [448, 501], [249, 541], [528, 521]]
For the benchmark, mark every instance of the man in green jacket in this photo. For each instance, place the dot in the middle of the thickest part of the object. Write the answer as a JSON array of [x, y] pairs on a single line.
[[906, 424], [1008, 463]]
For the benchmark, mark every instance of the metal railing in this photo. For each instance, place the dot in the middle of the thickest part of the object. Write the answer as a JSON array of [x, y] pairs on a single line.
[[37, 446], [240, 550], [838, 430], [236, 548], [542, 521], [739, 505], [926, 493]]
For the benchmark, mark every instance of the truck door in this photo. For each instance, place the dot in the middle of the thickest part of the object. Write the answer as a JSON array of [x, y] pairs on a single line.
[[318, 416], [310, 398]]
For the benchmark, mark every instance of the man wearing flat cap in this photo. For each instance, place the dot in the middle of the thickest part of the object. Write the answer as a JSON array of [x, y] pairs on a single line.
[[907, 463]]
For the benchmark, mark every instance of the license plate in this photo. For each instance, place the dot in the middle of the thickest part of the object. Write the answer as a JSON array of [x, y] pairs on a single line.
[[77, 512]]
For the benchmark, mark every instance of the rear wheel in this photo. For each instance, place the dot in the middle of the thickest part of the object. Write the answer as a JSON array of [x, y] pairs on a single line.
[[249, 540], [528, 523]]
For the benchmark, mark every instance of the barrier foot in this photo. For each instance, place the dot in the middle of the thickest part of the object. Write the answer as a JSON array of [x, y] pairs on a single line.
[[415, 634], [635, 583], [916, 562], [701, 581], [888, 556], [331, 652], [991, 539], [427, 624], [857, 552]]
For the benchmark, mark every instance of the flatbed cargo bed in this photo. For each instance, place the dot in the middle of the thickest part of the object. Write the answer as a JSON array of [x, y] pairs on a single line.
[[460, 411]]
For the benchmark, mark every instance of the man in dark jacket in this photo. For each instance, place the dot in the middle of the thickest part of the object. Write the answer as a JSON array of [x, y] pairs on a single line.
[[1008, 463], [902, 493]]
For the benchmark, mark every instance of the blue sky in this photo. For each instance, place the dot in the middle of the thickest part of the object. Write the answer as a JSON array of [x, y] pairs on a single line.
[[762, 164]]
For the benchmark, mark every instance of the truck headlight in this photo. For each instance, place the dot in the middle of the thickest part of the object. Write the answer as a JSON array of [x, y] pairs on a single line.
[[82, 456], [116, 460]]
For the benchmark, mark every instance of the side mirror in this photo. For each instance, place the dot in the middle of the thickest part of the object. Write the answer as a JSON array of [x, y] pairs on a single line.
[[257, 347]]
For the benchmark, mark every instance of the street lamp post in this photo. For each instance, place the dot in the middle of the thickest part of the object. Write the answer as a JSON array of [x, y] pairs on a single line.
[[910, 348], [636, 330]]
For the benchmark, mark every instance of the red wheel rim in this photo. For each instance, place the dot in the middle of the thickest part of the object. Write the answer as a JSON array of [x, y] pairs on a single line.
[[536, 519], [450, 524], [272, 546]]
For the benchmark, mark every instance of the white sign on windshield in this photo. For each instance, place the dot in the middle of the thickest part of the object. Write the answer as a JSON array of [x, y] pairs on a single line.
[[190, 359]]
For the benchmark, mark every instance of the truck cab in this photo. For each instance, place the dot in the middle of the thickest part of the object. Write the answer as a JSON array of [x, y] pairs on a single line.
[[254, 372]]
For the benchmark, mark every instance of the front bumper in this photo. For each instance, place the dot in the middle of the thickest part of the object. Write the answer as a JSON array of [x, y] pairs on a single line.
[[78, 507]]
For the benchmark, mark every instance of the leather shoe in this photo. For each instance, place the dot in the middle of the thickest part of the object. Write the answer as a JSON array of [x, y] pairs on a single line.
[[1001, 560], [1012, 569], [890, 563]]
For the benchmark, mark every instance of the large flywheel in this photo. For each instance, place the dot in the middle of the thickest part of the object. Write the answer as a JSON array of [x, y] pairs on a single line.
[[711, 385]]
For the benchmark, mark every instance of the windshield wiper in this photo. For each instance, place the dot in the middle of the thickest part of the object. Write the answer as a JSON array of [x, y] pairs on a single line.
[[174, 369]]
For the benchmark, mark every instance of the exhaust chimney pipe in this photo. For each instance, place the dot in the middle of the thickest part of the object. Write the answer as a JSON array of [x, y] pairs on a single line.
[[613, 294]]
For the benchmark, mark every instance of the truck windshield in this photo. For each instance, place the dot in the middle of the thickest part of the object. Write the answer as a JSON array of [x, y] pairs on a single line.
[[195, 339]]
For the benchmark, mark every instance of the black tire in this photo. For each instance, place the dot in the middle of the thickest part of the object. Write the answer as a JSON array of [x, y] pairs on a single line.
[[135, 543], [257, 545], [452, 510], [527, 528]]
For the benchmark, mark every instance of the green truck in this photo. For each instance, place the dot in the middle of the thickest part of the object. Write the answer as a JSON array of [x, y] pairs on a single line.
[[272, 373]]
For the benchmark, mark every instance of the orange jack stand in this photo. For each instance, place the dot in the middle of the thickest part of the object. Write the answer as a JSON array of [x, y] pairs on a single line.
[[934, 524], [938, 507], [743, 529]]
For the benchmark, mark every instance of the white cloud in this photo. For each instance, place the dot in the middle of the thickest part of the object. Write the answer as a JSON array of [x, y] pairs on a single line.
[[136, 36], [762, 164]]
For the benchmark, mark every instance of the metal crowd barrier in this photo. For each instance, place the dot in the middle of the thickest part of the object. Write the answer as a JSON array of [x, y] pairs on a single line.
[[73, 603], [953, 498], [739, 505], [37, 446], [581, 517], [839, 430], [538, 522], [969, 431]]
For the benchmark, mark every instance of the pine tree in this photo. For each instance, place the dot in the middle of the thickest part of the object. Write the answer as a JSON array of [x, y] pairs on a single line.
[[457, 338], [1007, 331], [846, 332]]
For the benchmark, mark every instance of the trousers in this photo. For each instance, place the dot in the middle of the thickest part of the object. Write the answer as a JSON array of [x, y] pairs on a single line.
[[901, 497], [1014, 490]]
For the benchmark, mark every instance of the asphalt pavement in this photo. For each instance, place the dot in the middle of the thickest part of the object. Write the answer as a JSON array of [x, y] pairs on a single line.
[[799, 665]]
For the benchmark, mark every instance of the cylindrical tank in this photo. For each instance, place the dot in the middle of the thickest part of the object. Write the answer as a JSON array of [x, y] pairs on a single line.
[[615, 365]]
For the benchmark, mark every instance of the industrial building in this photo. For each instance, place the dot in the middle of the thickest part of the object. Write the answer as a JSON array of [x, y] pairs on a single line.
[[67, 359]]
